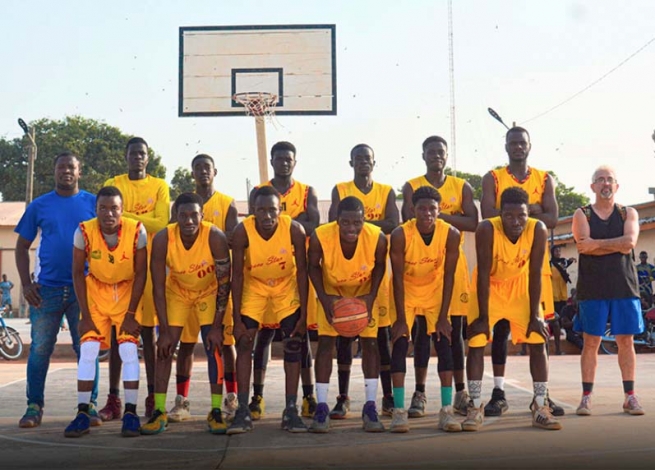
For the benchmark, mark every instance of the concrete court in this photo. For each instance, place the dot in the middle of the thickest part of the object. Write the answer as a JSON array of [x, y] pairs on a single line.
[[609, 439]]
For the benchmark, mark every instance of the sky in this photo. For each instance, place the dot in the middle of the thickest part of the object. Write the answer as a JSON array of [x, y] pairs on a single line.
[[117, 61]]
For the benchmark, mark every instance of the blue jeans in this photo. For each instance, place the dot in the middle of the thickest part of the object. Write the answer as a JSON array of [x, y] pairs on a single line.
[[46, 320]]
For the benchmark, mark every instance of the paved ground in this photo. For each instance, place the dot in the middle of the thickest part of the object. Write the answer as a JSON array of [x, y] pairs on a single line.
[[609, 439]]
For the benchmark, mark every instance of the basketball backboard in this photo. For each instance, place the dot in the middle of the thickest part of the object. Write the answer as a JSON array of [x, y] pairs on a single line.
[[297, 63]]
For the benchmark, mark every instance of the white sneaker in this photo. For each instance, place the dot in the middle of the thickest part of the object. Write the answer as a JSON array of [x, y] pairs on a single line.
[[399, 420], [447, 420], [180, 412], [230, 405]]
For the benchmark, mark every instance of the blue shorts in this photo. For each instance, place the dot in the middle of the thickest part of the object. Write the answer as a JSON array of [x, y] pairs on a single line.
[[624, 316]]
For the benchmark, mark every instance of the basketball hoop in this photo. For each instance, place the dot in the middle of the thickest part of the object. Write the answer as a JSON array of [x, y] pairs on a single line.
[[258, 104]]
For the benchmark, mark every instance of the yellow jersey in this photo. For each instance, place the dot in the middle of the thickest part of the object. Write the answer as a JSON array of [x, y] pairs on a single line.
[[560, 292], [294, 201], [111, 270], [450, 190], [375, 202], [190, 272], [347, 277], [215, 209], [270, 265], [511, 261], [534, 184]]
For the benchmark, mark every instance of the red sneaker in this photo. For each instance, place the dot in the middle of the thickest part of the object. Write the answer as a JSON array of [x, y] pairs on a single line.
[[112, 409]]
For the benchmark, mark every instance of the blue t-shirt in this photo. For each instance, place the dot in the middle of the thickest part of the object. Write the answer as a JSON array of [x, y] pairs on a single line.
[[57, 217]]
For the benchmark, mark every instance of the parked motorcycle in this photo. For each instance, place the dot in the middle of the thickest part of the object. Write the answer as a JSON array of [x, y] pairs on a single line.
[[646, 339]]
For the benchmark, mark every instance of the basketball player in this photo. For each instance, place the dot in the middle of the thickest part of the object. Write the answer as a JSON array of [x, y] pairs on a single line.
[[347, 258], [114, 249], [220, 210], [270, 273], [510, 249], [298, 201], [424, 258], [146, 199], [458, 209], [542, 206], [380, 209], [197, 257]]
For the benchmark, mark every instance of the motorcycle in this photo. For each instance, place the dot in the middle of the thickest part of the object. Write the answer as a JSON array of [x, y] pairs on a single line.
[[645, 339], [11, 345]]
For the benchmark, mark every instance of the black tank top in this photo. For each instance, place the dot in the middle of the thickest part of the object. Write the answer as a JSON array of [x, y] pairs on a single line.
[[611, 276]]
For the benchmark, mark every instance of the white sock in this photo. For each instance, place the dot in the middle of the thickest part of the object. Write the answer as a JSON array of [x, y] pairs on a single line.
[[499, 382], [371, 388], [475, 392], [131, 396], [322, 392], [83, 398], [540, 389]]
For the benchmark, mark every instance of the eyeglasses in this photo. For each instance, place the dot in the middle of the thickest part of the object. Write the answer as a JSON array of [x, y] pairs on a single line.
[[603, 180]]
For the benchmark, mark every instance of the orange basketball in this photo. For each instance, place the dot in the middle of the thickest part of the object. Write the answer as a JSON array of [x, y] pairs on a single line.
[[350, 317]]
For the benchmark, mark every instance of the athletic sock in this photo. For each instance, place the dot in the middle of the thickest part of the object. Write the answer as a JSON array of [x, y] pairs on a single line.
[[459, 387], [130, 408], [420, 388], [446, 396], [83, 398], [399, 397], [83, 407], [540, 389], [230, 382], [385, 380], [243, 398], [258, 390], [291, 400], [322, 392], [307, 390], [344, 382], [475, 391], [114, 391], [160, 402], [217, 400], [587, 388], [131, 396], [182, 383], [371, 389], [629, 387], [499, 382]]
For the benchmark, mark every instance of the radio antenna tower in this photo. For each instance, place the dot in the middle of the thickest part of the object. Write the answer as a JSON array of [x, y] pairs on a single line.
[[451, 67]]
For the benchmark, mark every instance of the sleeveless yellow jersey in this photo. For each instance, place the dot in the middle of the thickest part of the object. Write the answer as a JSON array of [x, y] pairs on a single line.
[[424, 266], [451, 192], [375, 202], [294, 201], [111, 270], [347, 277], [534, 184], [270, 265], [511, 260], [560, 292], [215, 209], [191, 272]]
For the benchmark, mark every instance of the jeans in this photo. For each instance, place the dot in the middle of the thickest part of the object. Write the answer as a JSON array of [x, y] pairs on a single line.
[[46, 320]]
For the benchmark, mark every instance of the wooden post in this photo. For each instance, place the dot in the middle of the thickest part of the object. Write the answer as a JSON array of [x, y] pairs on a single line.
[[260, 127]]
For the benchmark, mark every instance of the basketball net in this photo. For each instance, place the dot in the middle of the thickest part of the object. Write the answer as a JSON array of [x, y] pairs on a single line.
[[261, 105]]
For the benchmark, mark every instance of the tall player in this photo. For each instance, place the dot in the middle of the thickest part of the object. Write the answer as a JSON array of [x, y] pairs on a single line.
[[220, 210], [114, 249], [458, 209], [298, 201], [347, 258], [424, 259], [542, 206], [380, 209], [197, 257], [510, 249], [146, 199], [270, 274]]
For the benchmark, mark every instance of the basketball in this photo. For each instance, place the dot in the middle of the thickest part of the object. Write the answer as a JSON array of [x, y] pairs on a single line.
[[350, 317]]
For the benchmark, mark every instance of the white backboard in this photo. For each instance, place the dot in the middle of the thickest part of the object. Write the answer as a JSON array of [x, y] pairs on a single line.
[[297, 63]]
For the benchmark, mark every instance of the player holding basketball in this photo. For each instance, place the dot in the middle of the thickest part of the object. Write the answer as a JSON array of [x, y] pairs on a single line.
[[270, 273], [114, 248], [510, 249], [197, 257], [380, 209], [542, 206], [298, 201], [424, 259], [347, 258], [458, 209], [146, 199], [220, 210]]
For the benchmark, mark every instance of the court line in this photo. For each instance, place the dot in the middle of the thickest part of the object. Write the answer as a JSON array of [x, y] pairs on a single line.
[[528, 391], [25, 378]]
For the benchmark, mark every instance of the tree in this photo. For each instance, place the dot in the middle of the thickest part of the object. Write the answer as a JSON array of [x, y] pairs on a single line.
[[101, 149], [182, 182]]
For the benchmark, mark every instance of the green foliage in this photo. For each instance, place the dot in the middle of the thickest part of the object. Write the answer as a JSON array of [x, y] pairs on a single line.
[[182, 182], [100, 147], [474, 180]]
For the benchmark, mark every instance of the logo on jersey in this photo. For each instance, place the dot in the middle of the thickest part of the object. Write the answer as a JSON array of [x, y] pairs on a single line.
[[202, 306], [111, 258], [96, 254], [124, 257]]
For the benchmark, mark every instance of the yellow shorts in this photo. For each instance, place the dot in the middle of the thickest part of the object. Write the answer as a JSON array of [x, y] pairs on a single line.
[[459, 303], [181, 309], [192, 328], [146, 314], [312, 308], [269, 309], [383, 300], [103, 322], [547, 298], [325, 329]]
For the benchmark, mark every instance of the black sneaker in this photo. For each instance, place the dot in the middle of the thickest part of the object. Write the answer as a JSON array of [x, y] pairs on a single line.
[[291, 421], [555, 409], [341, 409], [387, 405], [242, 422], [497, 405]]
